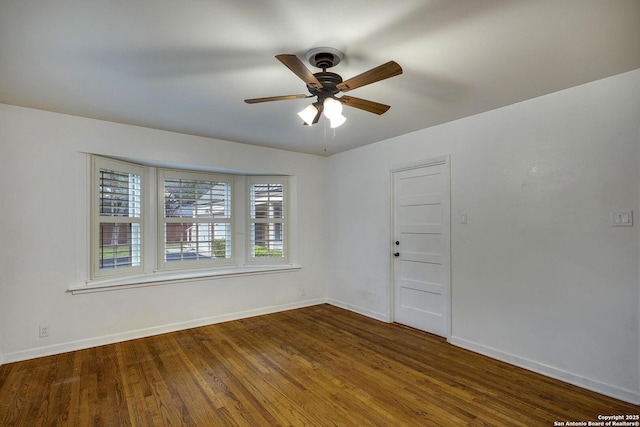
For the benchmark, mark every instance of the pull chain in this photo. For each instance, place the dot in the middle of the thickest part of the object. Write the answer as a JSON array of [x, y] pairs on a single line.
[[324, 126]]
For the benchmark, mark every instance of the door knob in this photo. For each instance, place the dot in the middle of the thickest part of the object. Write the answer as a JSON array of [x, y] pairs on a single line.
[[397, 254]]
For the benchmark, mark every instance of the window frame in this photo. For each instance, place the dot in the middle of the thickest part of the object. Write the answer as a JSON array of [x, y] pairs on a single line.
[[284, 220], [99, 163], [162, 264]]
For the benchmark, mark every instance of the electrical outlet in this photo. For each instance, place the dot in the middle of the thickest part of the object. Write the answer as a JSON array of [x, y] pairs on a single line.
[[622, 219], [44, 331], [303, 291]]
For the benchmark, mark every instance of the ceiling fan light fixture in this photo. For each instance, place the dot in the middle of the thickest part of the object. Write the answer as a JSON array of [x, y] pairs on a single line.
[[308, 114], [337, 120], [326, 85], [332, 108]]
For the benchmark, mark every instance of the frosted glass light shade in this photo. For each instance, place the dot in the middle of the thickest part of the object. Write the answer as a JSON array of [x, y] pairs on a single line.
[[332, 108], [308, 114], [337, 120]]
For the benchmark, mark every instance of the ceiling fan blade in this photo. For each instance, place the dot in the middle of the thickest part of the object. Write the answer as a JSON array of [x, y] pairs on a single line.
[[296, 65], [363, 104], [381, 72], [275, 98]]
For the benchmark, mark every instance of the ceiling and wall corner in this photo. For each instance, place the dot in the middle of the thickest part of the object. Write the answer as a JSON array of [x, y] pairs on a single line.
[[187, 66]]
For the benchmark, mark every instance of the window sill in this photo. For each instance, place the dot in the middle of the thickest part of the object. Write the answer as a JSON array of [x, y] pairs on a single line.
[[103, 285]]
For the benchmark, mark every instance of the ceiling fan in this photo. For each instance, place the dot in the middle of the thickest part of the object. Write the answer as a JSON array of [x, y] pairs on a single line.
[[326, 85]]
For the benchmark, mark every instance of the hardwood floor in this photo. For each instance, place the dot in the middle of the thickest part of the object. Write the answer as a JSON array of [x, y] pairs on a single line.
[[316, 366]]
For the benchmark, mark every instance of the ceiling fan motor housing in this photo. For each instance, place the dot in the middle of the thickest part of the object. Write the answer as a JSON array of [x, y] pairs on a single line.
[[329, 82]]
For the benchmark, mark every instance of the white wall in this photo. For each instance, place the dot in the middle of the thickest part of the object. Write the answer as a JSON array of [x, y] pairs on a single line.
[[43, 206], [539, 277]]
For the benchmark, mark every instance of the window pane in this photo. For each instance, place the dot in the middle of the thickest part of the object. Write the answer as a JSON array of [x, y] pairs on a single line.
[[120, 245], [266, 200], [119, 194], [197, 241], [267, 240], [187, 198]]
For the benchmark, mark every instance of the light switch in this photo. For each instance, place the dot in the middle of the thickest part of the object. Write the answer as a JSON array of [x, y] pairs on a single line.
[[622, 219], [463, 218]]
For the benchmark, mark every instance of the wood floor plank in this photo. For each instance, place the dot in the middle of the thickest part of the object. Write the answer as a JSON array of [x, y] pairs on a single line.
[[421, 381], [288, 375], [250, 387], [315, 366], [377, 377]]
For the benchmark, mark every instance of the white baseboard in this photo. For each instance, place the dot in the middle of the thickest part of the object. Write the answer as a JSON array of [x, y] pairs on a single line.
[[630, 396], [147, 332], [360, 310]]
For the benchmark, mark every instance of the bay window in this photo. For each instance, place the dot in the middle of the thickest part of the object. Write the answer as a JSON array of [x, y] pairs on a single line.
[[150, 223]]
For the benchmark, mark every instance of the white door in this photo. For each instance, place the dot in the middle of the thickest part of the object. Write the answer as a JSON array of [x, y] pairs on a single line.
[[422, 264]]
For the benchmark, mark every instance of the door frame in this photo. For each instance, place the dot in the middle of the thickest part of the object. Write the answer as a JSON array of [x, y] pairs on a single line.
[[439, 160]]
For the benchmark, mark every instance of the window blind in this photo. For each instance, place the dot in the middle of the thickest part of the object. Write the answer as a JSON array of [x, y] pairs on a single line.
[[197, 218], [267, 220], [119, 227]]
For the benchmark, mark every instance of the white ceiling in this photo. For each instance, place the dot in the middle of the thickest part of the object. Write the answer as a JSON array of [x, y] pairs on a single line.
[[187, 65]]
